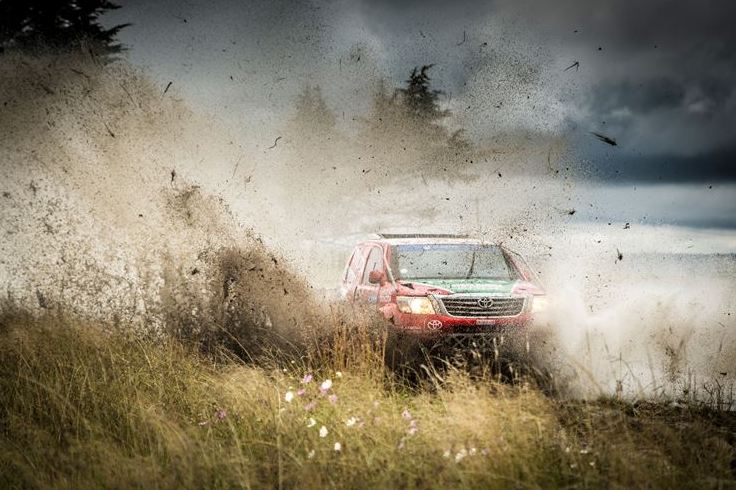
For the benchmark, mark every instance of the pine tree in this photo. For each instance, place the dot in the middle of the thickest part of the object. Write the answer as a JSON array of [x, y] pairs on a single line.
[[312, 114], [386, 116], [421, 102], [32, 24]]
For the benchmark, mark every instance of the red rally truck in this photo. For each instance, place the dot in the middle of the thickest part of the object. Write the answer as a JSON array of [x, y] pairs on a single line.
[[434, 287]]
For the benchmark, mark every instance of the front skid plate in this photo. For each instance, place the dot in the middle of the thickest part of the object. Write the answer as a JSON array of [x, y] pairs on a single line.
[[470, 342]]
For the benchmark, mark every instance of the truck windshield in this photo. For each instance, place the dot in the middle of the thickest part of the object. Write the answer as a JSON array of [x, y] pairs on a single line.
[[450, 261]]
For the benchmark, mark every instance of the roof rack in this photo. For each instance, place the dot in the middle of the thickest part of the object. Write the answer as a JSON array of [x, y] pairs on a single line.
[[389, 236]]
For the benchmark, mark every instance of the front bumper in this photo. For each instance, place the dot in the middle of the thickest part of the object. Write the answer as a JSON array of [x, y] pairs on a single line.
[[439, 325]]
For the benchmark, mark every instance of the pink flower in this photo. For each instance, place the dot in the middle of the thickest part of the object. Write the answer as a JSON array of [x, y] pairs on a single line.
[[300, 392], [310, 406], [332, 398], [412, 428], [406, 414], [307, 378], [221, 414]]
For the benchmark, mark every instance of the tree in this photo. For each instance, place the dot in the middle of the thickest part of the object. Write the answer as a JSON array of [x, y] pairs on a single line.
[[387, 114], [312, 114], [32, 24], [421, 102]]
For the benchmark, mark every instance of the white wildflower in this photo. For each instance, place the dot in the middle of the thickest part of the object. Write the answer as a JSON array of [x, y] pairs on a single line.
[[289, 396], [311, 422], [338, 447], [323, 431], [461, 455]]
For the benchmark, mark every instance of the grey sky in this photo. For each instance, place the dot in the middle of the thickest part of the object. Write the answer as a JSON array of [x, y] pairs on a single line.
[[658, 76]]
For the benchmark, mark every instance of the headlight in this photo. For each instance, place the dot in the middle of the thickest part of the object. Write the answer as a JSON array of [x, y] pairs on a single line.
[[418, 305], [539, 304]]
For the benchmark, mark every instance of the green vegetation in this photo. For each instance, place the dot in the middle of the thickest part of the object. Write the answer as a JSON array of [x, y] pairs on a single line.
[[82, 406]]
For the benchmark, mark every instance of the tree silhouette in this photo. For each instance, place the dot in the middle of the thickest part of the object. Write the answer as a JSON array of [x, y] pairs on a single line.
[[312, 113], [32, 24], [387, 115], [421, 102]]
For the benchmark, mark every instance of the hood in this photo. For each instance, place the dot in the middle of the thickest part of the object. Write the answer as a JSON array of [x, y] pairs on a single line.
[[467, 286]]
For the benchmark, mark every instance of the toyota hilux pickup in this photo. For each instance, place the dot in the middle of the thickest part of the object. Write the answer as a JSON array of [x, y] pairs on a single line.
[[437, 287]]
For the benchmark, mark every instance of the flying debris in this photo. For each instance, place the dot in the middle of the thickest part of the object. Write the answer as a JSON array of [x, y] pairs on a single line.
[[604, 138], [168, 86], [575, 65], [276, 141]]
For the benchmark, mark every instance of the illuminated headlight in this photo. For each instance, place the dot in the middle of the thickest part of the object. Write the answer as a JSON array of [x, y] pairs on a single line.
[[539, 304], [418, 305]]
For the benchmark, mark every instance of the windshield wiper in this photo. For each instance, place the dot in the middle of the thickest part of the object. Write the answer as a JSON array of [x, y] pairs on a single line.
[[472, 264]]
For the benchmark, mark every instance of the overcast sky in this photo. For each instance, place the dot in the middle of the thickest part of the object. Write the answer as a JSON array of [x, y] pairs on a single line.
[[657, 76]]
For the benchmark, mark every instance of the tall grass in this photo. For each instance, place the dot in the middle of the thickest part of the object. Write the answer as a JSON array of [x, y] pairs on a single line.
[[81, 406]]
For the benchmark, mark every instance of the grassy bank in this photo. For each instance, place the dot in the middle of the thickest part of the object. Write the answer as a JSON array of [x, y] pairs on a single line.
[[83, 407]]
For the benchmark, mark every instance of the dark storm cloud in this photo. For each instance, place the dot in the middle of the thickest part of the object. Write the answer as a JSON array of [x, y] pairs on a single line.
[[658, 76], [640, 97], [706, 168]]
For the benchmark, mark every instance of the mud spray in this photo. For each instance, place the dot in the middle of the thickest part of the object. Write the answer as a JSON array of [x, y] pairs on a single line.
[[121, 203]]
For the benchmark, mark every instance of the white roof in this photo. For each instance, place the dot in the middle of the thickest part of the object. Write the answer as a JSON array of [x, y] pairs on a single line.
[[426, 240]]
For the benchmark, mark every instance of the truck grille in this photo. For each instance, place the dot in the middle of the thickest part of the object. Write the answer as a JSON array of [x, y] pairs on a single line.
[[479, 307]]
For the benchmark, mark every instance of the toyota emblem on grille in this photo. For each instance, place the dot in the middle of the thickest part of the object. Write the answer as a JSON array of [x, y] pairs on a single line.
[[434, 324], [485, 303]]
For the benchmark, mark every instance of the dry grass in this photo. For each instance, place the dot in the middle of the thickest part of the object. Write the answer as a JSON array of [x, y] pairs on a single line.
[[84, 407]]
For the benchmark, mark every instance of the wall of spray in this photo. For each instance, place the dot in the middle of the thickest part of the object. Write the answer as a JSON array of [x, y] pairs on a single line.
[[122, 202]]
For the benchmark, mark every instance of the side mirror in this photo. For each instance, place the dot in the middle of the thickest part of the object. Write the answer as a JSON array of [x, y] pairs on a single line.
[[376, 277]]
